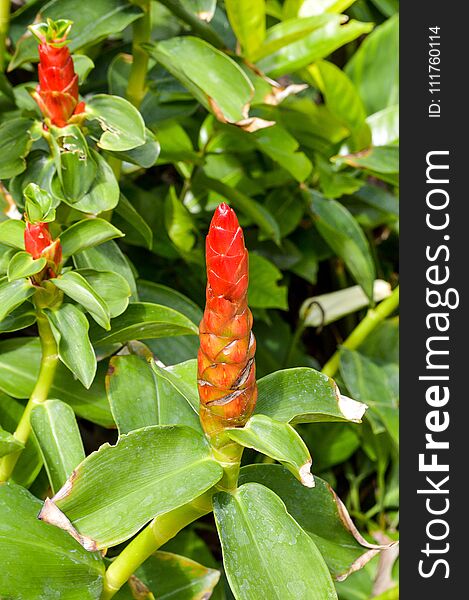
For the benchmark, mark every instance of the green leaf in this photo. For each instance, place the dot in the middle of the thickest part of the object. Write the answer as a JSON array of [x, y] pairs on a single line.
[[61, 569], [122, 124], [264, 291], [377, 160], [22, 317], [158, 402], [369, 383], [86, 234], [91, 23], [141, 477], [19, 369], [266, 554], [144, 155], [343, 234], [23, 265], [129, 218], [12, 233], [83, 65], [178, 221], [314, 46], [56, 431], [209, 74], [183, 377], [8, 443], [111, 287], [374, 67], [304, 395], [279, 441], [39, 204], [13, 294], [384, 126], [142, 321], [77, 288], [248, 22], [305, 8], [16, 142], [287, 209], [321, 514], [70, 328]]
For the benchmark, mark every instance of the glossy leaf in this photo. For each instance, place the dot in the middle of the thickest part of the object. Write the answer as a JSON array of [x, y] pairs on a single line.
[[183, 377], [62, 568], [111, 287], [152, 402], [86, 234], [56, 431], [378, 160], [247, 19], [19, 369], [12, 233], [133, 219], [91, 23], [13, 294], [70, 328], [16, 141], [279, 441], [142, 321], [142, 477], [144, 155], [303, 395], [321, 514], [23, 265], [8, 443], [264, 291], [21, 317], [384, 126], [211, 76], [76, 287], [178, 222], [266, 554], [122, 124], [340, 230]]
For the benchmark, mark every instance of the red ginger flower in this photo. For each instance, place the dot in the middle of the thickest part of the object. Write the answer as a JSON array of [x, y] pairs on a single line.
[[39, 243], [57, 92], [226, 366]]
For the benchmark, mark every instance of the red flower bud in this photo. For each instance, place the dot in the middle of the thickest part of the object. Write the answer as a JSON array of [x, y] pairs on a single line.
[[226, 366], [39, 243], [57, 92]]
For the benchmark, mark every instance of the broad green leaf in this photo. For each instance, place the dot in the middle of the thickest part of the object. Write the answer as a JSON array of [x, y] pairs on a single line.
[[281, 147], [83, 65], [303, 395], [107, 257], [57, 433], [16, 142], [93, 22], [144, 155], [279, 441], [22, 317], [39, 561], [86, 234], [209, 74], [111, 287], [179, 223], [39, 204], [264, 291], [342, 233], [19, 368], [8, 443], [321, 514], [369, 383], [378, 160], [142, 321], [129, 217], [266, 554], [141, 477], [305, 8], [12, 233], [183, 377], [374, 67], [343, 101], [203, 9], [40, 170], [316, 45], [161, 294], [384, 126], [23, 265], [379, 198], [287, 208], [70, 328], [153, 402], [13, 294], [76, 287], [168, 575], [247, 18], [330, 443], [122, 124]]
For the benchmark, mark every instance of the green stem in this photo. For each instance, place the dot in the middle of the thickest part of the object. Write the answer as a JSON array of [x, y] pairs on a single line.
[[372, 319], [40, 393], [197, 26], [4, 26], [136, 86], [161, 529]]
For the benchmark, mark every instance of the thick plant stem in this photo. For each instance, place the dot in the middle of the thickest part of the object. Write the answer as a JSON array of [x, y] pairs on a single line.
[[136, 86], [4, 25], [373, 318], [197, 26], [40, 393], [158, 532]]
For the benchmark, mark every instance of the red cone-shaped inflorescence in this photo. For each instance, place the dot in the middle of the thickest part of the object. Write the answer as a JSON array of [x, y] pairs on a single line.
[[226, 367], [39, 243], [57, 92]]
